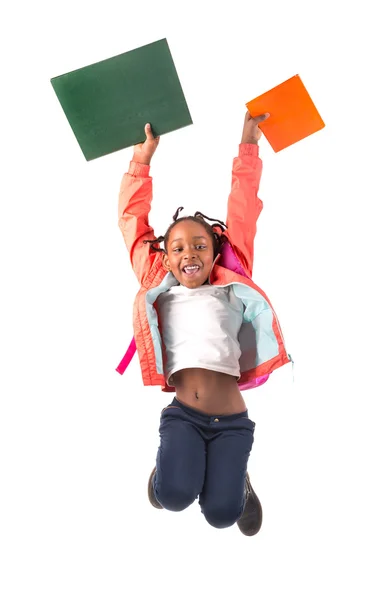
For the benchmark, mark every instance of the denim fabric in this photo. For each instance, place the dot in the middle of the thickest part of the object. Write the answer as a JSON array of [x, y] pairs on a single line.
[[203, 456]]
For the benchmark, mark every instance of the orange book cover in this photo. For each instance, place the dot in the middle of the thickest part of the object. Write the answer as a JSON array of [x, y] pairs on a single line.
[[293, 115]]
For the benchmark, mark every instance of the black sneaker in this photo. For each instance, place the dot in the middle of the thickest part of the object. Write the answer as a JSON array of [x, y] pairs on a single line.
[[151, 493], [251, 519]]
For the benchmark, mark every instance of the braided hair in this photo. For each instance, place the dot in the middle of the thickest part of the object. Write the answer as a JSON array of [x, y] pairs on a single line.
[[198, 217]]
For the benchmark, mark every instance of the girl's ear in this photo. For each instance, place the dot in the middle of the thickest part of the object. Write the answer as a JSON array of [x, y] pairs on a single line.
[[166, 262]]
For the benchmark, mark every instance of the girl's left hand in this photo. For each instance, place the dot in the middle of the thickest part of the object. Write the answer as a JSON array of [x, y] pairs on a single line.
[[251, 133], [144, 152]]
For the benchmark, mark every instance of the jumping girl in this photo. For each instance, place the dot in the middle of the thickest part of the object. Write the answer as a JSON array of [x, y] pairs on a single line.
[[205, 332]]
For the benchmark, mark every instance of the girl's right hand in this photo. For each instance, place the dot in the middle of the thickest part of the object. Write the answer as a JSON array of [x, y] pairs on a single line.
[[251, 133], [144, 152]]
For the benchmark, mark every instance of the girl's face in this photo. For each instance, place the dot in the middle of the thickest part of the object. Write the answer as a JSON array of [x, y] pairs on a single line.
[[190, 245]]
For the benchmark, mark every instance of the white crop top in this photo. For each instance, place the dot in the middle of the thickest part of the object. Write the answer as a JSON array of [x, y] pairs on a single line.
[[200, 329]]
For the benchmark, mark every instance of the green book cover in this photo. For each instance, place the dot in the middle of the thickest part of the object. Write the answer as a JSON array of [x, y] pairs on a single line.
[[108, 103]]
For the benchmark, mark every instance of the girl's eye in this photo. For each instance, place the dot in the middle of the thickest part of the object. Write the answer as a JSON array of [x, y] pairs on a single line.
[[175, 249]]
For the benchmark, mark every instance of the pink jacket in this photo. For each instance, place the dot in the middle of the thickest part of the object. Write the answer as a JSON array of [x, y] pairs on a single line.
[[261, 341]]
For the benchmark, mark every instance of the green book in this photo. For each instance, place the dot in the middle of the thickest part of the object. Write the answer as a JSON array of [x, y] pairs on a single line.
[[108, 103]]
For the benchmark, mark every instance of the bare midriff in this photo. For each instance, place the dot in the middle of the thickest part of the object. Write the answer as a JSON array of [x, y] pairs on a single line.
[[208, 391]]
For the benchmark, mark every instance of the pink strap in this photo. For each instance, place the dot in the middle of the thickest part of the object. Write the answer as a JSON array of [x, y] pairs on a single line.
[[127, 358], [254, 383]]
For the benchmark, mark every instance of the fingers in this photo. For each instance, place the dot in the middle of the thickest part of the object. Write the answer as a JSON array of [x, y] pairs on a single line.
[[261, 118], [148, 131], [257, 119], [150, 135]]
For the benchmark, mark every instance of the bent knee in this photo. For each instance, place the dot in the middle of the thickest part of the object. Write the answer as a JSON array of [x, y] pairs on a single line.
[[173, 497], [222, 516]]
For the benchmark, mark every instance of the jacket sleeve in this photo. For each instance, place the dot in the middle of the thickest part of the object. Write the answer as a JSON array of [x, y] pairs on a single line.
[[244, 206], [134, 206]]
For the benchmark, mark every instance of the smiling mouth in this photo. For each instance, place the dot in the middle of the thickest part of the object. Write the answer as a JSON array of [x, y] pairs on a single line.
[[191, 271]]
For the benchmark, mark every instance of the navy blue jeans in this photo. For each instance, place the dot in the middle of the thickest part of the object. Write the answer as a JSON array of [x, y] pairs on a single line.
[[203, 456]]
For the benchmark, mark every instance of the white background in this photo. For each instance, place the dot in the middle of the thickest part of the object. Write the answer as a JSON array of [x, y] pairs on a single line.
[[78, 441]]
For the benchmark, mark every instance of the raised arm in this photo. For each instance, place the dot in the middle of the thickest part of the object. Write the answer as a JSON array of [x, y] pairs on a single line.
[[244, 206], [135, 204]]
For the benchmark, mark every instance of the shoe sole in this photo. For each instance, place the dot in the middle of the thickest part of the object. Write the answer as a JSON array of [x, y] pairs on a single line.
[[245, 523], [150, 490]]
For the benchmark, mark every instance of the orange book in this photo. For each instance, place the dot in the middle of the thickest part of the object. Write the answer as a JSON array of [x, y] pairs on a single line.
[[293, 115]]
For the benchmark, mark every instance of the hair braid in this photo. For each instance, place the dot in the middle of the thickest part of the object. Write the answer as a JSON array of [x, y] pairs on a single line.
[[198, 217]]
